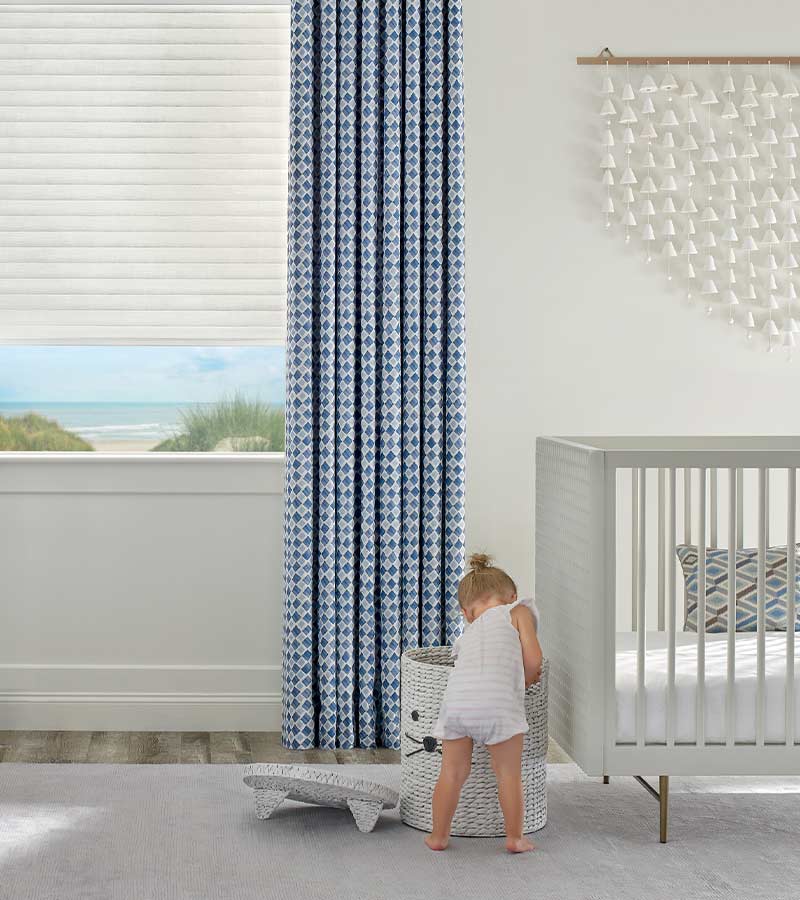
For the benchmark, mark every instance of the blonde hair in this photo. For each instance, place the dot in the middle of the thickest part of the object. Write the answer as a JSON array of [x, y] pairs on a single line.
[[482, 580]]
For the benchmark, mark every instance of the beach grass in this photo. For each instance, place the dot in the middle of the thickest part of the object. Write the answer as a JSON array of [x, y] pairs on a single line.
[[233, 425], [35, 432]]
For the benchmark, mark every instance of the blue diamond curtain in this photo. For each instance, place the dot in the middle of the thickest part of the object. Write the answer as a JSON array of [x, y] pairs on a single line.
[[375, 359]]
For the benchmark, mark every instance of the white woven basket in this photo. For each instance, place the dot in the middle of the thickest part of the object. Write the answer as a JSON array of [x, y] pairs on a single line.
[[424, 678]]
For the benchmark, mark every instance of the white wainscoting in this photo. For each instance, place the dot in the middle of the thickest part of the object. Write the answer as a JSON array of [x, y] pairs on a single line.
[[140, 592]]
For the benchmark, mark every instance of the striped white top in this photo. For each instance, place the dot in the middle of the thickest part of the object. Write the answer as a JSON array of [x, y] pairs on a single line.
[[485, 695]]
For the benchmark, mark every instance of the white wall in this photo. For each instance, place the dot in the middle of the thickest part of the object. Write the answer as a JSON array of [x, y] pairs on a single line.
[[140, 593], [568, 330], [134, 596]]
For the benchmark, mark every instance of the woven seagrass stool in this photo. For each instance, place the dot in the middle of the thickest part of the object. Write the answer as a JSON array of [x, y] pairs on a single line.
[[273, 783], [424, 675]]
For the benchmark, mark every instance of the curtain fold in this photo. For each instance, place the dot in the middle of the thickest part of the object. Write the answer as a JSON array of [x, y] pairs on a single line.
[[374, 528]]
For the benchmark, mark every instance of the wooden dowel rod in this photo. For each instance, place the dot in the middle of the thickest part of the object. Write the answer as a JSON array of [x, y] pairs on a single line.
[[687, 60]]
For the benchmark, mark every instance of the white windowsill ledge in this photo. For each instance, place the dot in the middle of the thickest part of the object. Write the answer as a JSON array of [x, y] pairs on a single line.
[[141, 473]]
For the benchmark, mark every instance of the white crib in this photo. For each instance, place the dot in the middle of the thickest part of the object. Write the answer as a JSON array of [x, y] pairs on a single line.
[[631, 691]]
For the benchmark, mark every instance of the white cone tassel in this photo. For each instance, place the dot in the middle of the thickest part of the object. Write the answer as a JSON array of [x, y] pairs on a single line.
[[648, 85]]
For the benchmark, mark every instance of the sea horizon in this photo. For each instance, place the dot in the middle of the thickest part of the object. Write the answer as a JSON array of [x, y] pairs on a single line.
[[110, 420]]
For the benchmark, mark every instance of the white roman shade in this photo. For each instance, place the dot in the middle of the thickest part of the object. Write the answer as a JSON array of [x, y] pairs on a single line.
[[143, 174]]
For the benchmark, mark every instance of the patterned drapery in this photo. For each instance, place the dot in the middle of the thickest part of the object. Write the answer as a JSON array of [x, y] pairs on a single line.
[[375, 359]]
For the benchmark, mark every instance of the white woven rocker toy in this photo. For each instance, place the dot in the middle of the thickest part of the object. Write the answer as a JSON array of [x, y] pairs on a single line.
[[424, 675], [273, 783]]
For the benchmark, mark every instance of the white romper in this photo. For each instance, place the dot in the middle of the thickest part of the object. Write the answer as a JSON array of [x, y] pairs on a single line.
[[485, 694]]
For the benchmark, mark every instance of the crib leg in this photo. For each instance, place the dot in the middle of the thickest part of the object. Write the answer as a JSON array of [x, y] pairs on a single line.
[[606, 779], [662, 795], [663, 805]]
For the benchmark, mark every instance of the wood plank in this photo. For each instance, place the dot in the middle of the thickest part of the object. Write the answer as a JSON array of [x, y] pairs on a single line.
[[109, 747], [387, 757], [195, 747], [229, 747], [265, 746], [154, 747], [356, 757], [5, 743], [67, 746], [26, 746], [148, 747]]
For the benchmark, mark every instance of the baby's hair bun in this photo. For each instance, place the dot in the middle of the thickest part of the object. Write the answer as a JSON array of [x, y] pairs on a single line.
[[479, 561]]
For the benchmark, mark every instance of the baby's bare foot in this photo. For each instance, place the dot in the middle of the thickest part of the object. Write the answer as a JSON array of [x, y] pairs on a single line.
[[437, 843], [519, 845]]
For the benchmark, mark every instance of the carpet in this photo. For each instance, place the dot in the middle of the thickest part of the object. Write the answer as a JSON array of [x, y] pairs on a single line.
[[180, 832]]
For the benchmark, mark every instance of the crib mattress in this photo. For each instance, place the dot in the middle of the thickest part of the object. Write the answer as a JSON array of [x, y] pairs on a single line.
[[715, 683]]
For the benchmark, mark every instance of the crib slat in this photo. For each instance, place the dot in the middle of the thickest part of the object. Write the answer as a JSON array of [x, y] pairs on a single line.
[[730, 704], [766, 508], [701, 609], [634, 543], [713, 511], [671, 537], [687, 528], [740, 508], [661, 551], [791, 550], [760, 603], [641, 700]]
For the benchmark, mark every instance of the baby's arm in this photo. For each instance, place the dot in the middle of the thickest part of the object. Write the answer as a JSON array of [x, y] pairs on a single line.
[[525, 624]]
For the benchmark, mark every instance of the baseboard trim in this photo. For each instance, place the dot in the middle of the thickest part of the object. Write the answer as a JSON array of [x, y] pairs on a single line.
[[139, 711]]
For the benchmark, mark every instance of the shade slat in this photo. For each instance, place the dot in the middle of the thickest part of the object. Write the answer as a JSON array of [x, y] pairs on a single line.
[[259, 302], [73, 18]]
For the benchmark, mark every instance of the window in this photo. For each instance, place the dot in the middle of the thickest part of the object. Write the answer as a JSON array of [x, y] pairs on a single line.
[[143, 180], [135, 399]]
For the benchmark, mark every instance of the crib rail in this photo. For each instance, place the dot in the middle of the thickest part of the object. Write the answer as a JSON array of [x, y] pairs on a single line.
[[653, 591], [674, 700]]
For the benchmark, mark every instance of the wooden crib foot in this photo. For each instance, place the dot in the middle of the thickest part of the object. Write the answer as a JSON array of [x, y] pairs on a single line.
[[663, 805]]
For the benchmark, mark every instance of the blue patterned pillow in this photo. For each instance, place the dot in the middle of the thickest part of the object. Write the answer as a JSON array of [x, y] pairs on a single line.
[[746, 588]]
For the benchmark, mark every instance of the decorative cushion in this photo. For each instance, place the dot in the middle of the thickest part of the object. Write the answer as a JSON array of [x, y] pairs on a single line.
[[746, 587]]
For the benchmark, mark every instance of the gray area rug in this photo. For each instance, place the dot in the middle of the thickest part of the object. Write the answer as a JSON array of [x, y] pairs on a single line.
[[189, 833]]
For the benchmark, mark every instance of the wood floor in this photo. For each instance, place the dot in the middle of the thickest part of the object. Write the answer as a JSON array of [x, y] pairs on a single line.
[[169, 747], [179, 747]]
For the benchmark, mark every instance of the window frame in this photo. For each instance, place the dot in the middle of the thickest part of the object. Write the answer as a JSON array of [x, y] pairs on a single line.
[[149, 457]]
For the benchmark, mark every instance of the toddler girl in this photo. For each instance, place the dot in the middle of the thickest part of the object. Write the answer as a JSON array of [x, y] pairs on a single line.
[[496, 658]]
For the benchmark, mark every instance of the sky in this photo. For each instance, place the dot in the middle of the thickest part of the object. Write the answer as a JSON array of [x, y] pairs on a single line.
[[140, 374]]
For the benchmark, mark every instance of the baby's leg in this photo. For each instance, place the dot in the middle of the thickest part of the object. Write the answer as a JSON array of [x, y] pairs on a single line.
[[456, 762], [507, 765]]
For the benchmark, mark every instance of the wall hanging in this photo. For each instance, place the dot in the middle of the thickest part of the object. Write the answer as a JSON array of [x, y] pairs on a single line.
[[698, 165]]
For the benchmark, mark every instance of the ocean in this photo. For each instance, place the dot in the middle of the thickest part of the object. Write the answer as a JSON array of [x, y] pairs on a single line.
[[108, 421]]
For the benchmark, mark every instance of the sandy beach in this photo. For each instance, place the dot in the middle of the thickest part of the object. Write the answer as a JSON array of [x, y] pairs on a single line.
[[123, 446]]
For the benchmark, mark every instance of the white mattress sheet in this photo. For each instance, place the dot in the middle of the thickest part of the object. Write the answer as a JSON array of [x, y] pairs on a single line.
[[715, 683]]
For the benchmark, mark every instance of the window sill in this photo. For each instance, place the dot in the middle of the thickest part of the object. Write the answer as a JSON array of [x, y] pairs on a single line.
[[141, 473]]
